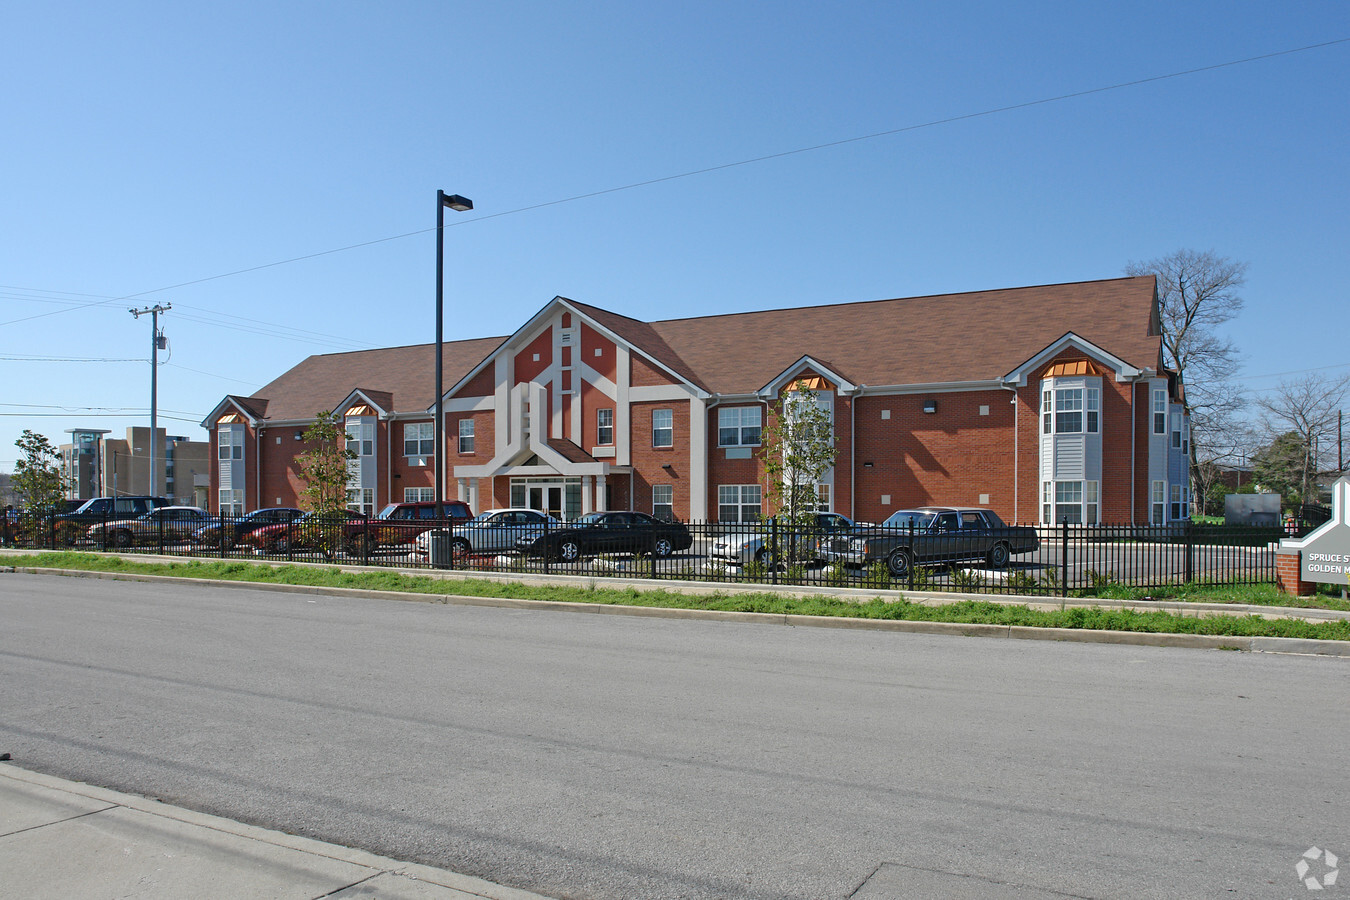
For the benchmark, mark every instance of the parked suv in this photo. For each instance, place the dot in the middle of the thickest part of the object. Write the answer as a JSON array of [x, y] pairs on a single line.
[[70, 527], [401, 523]]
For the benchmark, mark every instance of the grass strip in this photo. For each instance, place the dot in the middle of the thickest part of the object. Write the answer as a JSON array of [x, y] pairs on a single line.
[[961, 612]]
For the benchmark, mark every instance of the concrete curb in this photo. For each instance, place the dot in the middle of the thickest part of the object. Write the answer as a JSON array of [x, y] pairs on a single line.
[[1018, 632], [467, 884]]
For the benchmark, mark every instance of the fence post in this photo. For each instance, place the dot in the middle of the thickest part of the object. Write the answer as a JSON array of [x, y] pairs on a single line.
[[221, 546], [544, 547], [1189, 540], [773, 549], [1064, 559], [913, 557]]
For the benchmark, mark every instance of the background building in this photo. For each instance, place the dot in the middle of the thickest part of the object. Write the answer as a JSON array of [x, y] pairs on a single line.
[[99, 466]]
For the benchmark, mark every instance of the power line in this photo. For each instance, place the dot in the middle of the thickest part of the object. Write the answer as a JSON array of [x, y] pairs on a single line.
[[709, 169]]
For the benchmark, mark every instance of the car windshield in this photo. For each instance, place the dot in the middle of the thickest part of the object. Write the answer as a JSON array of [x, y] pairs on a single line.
[[88, 505], [387, 511], [909, 518], [590, 520]]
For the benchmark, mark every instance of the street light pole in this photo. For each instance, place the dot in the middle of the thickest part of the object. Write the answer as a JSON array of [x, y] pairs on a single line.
[[459, 204], [155, 340]]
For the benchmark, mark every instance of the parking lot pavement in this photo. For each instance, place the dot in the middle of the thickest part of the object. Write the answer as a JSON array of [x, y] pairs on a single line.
[[62, 839]]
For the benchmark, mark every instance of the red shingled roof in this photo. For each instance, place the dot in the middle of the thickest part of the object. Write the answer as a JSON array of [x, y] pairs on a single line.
[[977, 336]]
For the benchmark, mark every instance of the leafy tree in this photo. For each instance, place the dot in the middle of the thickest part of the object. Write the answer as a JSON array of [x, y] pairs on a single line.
[[37, 479], [1301, 417], [1197, 294], [798, 452], [1279, 467], [323, 469], [37, 474]]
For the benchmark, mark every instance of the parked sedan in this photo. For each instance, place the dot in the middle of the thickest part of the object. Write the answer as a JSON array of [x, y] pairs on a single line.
[[170, 524], [308, 531], [495, 531], [236, 528], [934, 535], [609, 532], [750, 542]]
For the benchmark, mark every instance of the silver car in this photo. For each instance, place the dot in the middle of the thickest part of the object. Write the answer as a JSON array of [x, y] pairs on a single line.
[[750, 542], [495, 531]]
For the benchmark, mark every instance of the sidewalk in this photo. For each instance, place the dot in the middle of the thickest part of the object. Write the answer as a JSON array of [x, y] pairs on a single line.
[[61, 839]]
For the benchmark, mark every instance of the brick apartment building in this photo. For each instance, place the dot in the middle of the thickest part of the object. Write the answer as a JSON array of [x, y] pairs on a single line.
[[1040, 402]]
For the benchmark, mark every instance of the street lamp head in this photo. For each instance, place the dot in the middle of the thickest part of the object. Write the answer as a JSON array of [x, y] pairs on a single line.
[[456, 202]]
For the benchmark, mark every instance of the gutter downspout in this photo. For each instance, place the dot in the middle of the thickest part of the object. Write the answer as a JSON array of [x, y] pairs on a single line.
[[388, 464], [853, 451], [1016, 448], [1134, 438], [257, 466]]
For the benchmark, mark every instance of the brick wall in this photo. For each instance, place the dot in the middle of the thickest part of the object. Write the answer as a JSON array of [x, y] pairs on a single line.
[[1288, 574]]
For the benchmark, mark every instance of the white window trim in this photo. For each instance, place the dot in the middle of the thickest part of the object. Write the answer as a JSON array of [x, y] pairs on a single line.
[[741, 414], [412, 434], [604, 427], [743, 492], [669, 428], [466, 442]]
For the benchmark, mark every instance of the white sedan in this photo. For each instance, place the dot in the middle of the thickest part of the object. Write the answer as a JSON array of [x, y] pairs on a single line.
[[495, 531], [750, 542]]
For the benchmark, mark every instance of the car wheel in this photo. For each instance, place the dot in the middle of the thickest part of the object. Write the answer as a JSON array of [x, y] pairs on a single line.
[[998, 556], [227, 541], [898, 563], [361, 545], [279, 545], [121, 539], [663, 547], [569, 551], [460, 548], [764, 556]]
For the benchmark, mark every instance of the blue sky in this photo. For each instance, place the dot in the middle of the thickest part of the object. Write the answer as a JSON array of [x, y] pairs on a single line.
[[153, 150]]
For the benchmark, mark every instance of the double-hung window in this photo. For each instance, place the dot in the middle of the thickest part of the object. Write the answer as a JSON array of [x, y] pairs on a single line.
[[1159, 501], [663, 502], [1181, 502], [231, 441], [739, 426], [1075, 410], [418, 439], [739, 502], [419, 494], [663, 428], [361, 438], [1160, 412], [231, 502], [604, 426], [1074, 501], [1069, 410], [466, 436]]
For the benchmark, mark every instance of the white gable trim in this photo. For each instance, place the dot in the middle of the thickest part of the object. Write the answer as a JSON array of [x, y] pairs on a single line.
[[844, 386], [228, 403], [1124, 371]]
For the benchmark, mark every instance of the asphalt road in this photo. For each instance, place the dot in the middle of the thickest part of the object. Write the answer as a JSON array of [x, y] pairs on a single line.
[[623, 757]]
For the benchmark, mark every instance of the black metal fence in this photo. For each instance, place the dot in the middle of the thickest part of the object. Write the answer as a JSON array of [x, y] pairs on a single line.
[[1052, 560]]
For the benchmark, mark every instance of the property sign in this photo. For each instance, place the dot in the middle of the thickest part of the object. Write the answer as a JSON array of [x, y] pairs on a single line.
[[1325, 552]]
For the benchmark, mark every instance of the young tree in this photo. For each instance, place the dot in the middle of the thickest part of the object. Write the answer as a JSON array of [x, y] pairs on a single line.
[[1300, 416], [37, 479], [1198, 293], [798, 451], [323, 469]]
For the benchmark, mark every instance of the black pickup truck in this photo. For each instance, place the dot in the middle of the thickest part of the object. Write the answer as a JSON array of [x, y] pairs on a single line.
[[932, 535]]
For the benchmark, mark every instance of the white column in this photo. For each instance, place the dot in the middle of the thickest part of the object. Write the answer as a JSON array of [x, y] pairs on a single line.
[[462, 491], [600, 493], [699, 450], [587, 493]]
